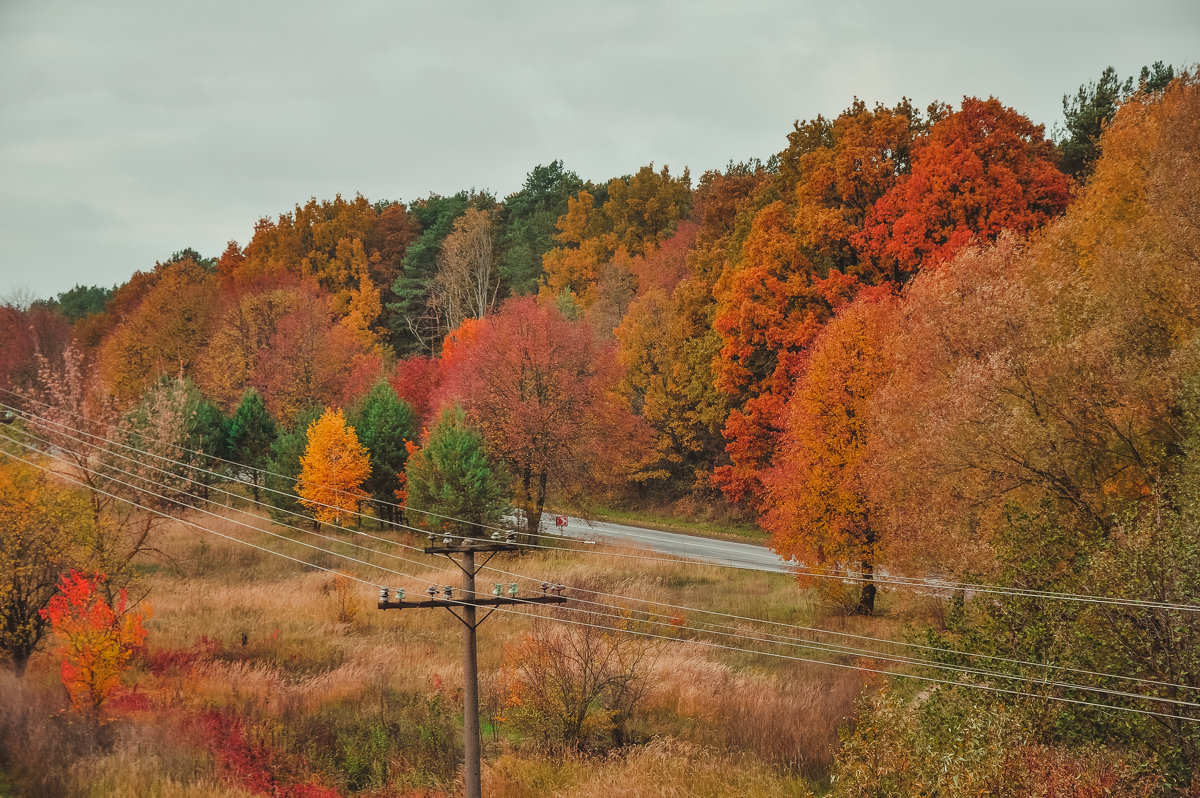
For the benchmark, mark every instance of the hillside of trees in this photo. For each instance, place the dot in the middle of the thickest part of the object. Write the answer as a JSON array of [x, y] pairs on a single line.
[[914, 342]]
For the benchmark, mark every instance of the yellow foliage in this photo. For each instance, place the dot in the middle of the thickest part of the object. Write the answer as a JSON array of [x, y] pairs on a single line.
[[332, 469]]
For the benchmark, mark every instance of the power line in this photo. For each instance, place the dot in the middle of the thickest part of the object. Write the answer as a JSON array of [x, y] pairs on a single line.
[[709, 626], [43, 421], [840, 649], [805, 644], [710, 644], [239, 465], [897, 581]]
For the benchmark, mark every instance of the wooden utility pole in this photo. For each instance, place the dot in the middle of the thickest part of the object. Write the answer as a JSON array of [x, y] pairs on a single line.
[[463, 607]]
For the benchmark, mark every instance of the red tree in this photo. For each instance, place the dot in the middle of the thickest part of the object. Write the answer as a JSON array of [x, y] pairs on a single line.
[[97, 641], [982, 170], [540, 388]]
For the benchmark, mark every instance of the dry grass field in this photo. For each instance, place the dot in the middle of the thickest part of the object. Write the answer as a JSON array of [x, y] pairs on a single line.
[[263, 677]]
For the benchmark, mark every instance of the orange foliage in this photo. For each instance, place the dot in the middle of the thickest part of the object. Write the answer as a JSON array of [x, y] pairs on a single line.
[[769, 310], [818, 506], [230, 363], [1053, 370], [163, 334], [795, 266], [96, 641], [982, 170], [332, 469], [640, 212]]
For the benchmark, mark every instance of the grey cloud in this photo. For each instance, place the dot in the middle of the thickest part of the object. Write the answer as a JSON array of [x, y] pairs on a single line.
[[146, 127]]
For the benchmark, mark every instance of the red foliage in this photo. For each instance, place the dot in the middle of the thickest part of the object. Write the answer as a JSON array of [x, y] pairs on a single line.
[[540, 389], [97, 641], [311, 360], [23, 336], [665, 266], [982, 170], [249, 764], [417, 380]]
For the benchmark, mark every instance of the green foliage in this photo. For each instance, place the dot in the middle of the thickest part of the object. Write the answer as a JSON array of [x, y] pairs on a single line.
[[380, 742], [1155, 553], [406, 317], [209, 430], [82, 301], [953, 745], [1094, 106], [527, 224], [384, 423], [451, 475], [251, 435]]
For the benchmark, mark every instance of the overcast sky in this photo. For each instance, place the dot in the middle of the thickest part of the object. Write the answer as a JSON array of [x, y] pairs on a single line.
[[129, 130]]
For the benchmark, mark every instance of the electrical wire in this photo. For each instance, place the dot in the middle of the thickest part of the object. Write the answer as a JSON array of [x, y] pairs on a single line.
[[849, 576], [809, 645], [692, 641], [709, 626], [712, 626]]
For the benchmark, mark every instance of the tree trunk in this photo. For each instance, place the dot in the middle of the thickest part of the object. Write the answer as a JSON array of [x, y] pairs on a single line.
[[866, 599]]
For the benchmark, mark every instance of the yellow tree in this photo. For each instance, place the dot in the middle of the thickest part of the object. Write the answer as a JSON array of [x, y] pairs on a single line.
[[45, 530], [332, 469]]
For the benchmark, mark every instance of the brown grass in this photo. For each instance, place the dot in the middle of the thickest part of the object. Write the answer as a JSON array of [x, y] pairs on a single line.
[[313, 642], [660, 769]]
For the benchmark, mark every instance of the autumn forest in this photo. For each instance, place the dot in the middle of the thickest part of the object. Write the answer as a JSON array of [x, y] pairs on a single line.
[[945, 362]]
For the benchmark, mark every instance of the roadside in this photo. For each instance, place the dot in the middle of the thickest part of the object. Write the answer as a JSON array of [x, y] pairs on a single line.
[[732, 531]]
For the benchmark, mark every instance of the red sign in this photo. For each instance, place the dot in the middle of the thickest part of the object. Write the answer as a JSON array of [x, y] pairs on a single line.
[[560, 520]]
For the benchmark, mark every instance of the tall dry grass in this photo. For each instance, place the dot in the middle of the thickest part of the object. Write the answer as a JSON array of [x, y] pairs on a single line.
[[49, 752], [660, 769], [791, 720], [280, 646]]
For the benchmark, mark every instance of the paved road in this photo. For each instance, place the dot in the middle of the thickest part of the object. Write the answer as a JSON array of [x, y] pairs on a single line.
[[746, 555]]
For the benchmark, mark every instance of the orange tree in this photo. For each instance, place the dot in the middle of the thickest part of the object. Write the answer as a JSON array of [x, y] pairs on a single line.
[[332, 469], [96, 640], [982, 170], [792, 260], [819, 510]]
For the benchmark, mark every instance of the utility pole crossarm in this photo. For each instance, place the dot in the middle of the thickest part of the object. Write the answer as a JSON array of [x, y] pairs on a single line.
[[402, 604], [464, 608]]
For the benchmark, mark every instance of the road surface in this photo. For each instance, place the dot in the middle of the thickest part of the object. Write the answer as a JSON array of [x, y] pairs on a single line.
[[724, 552]]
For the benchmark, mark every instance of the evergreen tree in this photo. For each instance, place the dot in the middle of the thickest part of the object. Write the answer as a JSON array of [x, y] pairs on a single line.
[[284, 464], [452, 476], [1094, 106], [527, 224], [251, 435], [208, 434], [411, 327], [384, 423]]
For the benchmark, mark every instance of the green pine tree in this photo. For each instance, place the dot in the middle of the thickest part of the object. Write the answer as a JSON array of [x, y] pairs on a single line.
[[452, 476], [284, 464], [384, 422], [252, 432]]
